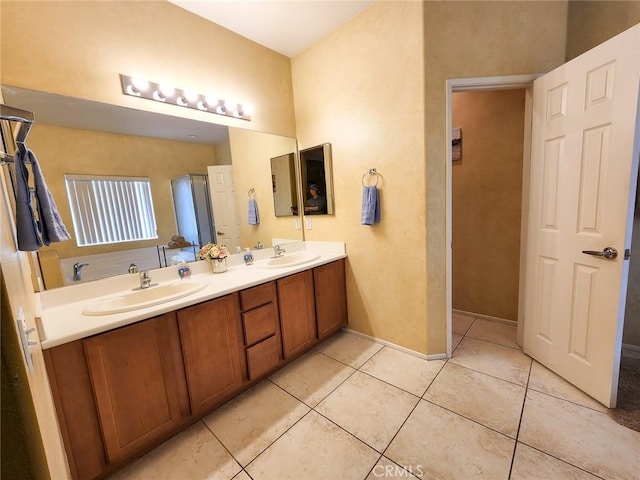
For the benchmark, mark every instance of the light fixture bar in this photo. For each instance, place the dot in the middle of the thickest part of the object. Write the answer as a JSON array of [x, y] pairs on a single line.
[[137, 87]]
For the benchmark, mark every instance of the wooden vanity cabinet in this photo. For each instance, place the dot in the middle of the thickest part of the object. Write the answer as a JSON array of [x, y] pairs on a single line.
[[211, 337], [297, 313], [261, 327], [138, 384], [118, 393], [330, 297]]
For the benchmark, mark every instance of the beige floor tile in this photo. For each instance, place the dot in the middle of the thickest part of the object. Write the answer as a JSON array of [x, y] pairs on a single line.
[[403, 370], [496, 360], [349, 348], [314, 448], [250, 423], [447, 446], [242, 476], [194, 453], [580, 436], [531, 464], [495, 332], [455, 341], [369, 408], [461, 323], [385, 469], [494, 403], [544, 380], [312, 377]]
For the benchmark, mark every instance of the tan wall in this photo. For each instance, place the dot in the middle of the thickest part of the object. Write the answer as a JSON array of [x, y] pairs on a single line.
[[592, 22], [631, 334], [252, 153], [79, 48], [487, 196], [65, 150], [473, 39], [361, 89]]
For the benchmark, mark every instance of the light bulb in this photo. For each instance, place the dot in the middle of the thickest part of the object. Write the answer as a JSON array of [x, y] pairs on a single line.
[[140, 83], [203, 105], [190, 94], [167, 90]]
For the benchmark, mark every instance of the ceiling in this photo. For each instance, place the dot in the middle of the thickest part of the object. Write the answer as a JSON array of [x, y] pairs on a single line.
[[286, 26]]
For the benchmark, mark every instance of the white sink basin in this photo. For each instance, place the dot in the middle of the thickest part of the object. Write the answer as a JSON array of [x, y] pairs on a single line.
[[290, 260], [143, 298]]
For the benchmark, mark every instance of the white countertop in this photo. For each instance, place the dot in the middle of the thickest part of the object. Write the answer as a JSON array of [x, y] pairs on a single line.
[[60, 310]]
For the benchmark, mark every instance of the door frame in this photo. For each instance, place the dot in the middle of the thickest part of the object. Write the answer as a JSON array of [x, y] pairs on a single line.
[[506, 82]]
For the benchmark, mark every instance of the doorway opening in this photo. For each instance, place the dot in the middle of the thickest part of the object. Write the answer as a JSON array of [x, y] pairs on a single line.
[[487, 167], [523, 83]]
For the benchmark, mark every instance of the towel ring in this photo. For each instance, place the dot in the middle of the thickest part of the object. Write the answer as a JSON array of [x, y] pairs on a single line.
[[372, 171]]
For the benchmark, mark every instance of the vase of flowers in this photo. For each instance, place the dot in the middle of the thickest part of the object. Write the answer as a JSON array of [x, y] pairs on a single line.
[[216, 254]]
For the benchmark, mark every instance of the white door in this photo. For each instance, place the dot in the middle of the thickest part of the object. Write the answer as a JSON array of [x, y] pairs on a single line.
[[584, 163], [223, 200]]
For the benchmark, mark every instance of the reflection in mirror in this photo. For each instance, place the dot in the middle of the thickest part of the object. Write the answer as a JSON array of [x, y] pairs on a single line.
[[77, 136], [285, 191], [317, 180]]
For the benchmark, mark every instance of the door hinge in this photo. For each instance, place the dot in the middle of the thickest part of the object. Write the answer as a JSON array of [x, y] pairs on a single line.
[[627, 253]]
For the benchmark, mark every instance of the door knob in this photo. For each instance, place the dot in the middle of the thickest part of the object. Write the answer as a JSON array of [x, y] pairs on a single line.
[[608, 252]]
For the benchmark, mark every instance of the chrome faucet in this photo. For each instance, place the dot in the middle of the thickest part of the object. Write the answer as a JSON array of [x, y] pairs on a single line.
[[77, 271], [145, 279], [278, 251]]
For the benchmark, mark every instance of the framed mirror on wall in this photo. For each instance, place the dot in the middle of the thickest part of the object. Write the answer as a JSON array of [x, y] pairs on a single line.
[[317, 180]]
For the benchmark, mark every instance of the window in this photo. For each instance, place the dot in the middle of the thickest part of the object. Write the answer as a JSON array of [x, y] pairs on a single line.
[[110, 209]]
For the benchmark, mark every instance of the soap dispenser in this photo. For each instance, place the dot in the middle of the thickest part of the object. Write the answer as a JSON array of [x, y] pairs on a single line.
[[184, 271], [248, 256]]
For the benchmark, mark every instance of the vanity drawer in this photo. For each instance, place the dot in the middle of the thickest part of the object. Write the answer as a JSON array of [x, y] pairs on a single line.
[[263, 357], [256, 296], [259, 323]]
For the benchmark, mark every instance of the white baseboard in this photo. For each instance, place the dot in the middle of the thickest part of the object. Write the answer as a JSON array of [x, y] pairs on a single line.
[[486, 317], [438, 356], [632, 351]]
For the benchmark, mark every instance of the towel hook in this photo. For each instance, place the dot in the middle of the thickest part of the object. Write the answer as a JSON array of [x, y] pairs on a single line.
[[372, 171], [252, 191]]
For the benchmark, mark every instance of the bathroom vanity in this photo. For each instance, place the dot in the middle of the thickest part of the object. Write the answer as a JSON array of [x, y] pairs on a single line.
[[145, 376]]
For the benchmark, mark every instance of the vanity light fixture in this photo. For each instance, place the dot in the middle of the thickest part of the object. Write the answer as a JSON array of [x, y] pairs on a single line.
[[139, 87]]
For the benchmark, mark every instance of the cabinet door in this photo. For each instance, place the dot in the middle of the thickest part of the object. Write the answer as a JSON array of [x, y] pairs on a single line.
[[213, 352], [297, 313], [331, 297], [134, 380]]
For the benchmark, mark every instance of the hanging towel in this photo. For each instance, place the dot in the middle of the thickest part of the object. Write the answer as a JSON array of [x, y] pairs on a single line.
[[38, 224], [254, 216], [370, 206]]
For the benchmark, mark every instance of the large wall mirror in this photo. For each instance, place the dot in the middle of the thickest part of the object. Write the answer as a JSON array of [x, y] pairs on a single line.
[[317, 180], [75, 136]]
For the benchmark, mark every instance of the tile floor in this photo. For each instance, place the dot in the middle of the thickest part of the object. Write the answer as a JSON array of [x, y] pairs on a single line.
[[355, 409]]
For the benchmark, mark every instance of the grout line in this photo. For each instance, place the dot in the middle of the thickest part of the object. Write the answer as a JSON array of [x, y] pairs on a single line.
[[470, 419], [561, 460], [524, 401]]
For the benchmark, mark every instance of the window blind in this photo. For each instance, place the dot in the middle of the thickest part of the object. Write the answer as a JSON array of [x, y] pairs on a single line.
[[110, 209]]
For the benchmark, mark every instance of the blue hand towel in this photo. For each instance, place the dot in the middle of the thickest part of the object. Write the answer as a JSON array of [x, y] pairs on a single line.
[[370, 206], [38, 224], [254, 216], [28, 233]]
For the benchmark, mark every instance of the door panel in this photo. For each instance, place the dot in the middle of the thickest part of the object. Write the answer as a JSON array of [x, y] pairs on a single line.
[[583, 171], [223, 199]]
